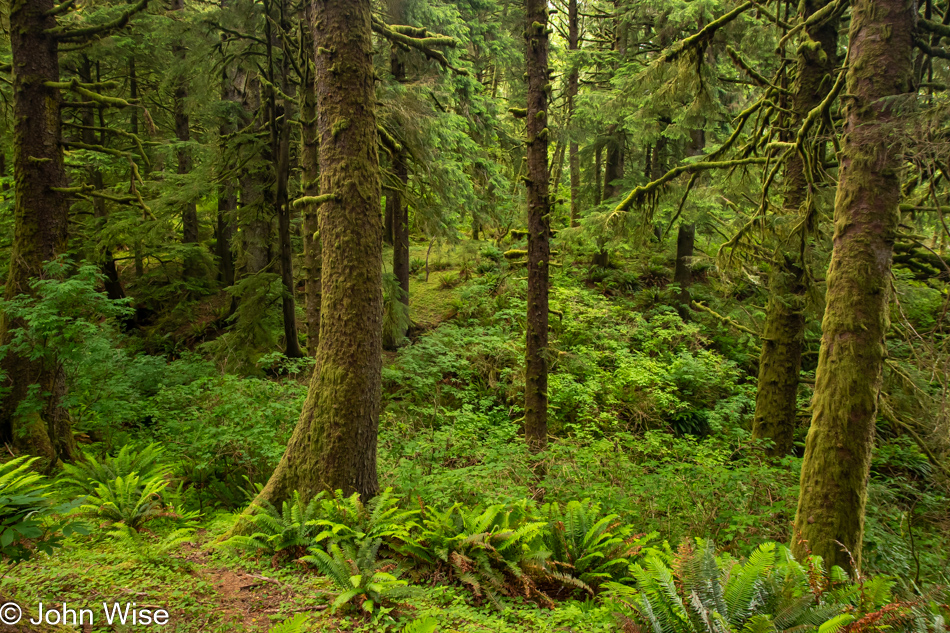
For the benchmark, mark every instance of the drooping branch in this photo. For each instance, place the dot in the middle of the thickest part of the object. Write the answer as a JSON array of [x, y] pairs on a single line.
[[819, 17], [701, 38], [300, 202], [81, 89], [400, 35], [640, 193], [60, 8], [933, 51], [942, 30], [100, 30]]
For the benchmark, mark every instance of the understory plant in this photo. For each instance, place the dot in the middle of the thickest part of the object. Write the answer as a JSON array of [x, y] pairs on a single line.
[[26, 512], [693, 590]]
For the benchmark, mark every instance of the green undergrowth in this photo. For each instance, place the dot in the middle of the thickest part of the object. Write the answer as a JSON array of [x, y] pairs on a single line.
[[649, 422]]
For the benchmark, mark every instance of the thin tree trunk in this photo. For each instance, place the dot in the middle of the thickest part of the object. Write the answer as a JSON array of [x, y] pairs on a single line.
[[784, 334], [256, 222], [397, 211], [110, 273], [310, 174], [134, 124], [334, 444], [683, 273], [189, 213], [573, 85], [613, 170], [280, 140], [598, 170], [539, 228], [40, 230], [227, 193], [834, 479]]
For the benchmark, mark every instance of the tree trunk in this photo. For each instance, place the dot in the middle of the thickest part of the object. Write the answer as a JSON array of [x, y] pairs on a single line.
[[227, 193], [683, 273], [281, 114], [110, 273], [400, 212], [780, 362], [255, 219], [334, 444], [310, 174], [539, 227], [40, 229], [397, 211], [613, 170], [831, 506], [388, 228], [784, 335], [598, 169], [189, 213]]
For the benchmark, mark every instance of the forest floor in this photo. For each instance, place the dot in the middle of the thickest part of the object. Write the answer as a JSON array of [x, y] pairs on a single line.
[[205, 589]]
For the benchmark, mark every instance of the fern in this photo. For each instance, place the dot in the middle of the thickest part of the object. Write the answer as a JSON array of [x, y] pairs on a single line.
[[84, 477], [287, 532], [296, 624], [693, 591], [485, 550], [129, 500], [357, 574], [588, 549], [156, 551]]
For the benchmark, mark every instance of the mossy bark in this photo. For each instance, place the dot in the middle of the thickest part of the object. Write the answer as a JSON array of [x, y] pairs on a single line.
[[310, 175], [111, 280], [281, 112], [784, 333], [780, 363], [573, 85], [831, 507], [397, 211], [189, 211], [539, 226], [683, 272], [334, 444], [40, 230]]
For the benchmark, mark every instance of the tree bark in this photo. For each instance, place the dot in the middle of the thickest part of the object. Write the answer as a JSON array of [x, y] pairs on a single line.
[[397, 211], [683, 273], [835, 471], [110, 273], [781, 357], [227, 192], [189, 213], [598, 170], [40, 230], [310, 174], [539, 227], [281, 113], [333, 446]]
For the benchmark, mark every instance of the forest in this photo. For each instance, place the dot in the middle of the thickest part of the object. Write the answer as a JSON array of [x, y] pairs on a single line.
[[435, 316]]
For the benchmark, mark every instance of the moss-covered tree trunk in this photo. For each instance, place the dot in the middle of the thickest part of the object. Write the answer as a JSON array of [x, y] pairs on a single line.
[[35, 423], [539, 226], [784, 332], [334, 443], [110, 273], [310, 186], [573, 83], [281, 111], [831, 506], [397, 211], [683, 272], [227, 192], [189, 211]]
